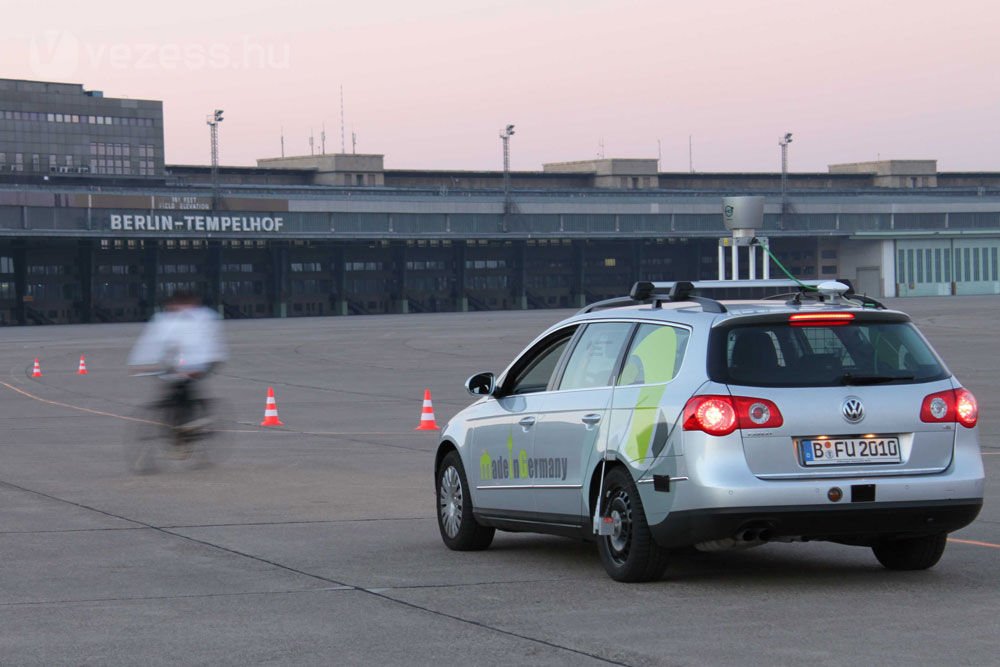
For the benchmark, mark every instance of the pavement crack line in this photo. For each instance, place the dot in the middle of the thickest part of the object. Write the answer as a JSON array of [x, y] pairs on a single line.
[[144, 598], [236, 524], [339, 584], [484, 626]]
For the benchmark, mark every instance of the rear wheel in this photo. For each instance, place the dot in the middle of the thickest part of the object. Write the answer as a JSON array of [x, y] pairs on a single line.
[[210, 437], [146, 438], [459, 529], [914, 553], [629, 554]]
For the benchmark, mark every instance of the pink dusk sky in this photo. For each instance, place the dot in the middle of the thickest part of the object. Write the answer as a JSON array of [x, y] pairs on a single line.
[[430, 83]]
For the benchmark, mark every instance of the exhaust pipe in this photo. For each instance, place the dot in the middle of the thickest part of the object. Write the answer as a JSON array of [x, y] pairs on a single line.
[[755, 534]]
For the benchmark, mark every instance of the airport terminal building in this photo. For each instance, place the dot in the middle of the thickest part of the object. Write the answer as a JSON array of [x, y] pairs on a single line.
[[95, 227]]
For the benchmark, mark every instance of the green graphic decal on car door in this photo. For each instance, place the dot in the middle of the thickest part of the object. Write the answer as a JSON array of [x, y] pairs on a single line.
[[652, 363]]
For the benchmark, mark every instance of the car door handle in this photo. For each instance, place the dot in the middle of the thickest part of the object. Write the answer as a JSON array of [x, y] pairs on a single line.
[[527, 422], [591, 419]]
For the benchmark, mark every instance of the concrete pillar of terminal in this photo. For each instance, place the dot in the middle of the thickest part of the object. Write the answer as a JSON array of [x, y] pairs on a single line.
[[279, 280], [458, 290], [85, 263], [579, 296], [213, 276], [150, 260], [520, 275], [399, 273], [20, 255], [339, 272], [638, 252]]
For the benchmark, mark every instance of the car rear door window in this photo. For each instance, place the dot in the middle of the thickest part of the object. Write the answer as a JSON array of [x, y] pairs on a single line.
[[595, 356], [654, 356]]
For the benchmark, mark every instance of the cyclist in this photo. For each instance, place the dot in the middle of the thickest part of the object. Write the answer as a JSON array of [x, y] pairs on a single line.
[[181, 345]]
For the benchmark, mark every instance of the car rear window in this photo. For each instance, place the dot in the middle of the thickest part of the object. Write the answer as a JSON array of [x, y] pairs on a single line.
[[775, 354]]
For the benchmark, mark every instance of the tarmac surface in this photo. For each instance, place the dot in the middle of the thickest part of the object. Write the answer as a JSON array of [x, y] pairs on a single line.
[[316, 543]]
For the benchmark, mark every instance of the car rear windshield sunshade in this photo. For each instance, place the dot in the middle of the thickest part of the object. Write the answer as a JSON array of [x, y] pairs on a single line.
[[775, 354]]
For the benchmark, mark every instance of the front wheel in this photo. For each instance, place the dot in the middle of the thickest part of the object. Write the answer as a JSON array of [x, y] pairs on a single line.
[[914, 553], [459, 529], [629, 554]]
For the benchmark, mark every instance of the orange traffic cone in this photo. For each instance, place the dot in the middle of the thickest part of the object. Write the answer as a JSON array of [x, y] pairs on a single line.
[[271, 410], [82, 370], [37, 371], [427, 422]]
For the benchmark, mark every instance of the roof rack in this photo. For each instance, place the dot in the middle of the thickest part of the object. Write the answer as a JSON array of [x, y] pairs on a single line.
[[657, 293]]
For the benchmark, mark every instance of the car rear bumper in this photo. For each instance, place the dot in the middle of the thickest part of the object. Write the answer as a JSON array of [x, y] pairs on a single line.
[[858, 523]]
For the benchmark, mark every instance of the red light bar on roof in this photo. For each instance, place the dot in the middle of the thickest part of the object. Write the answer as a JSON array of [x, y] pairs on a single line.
[[820, 319]]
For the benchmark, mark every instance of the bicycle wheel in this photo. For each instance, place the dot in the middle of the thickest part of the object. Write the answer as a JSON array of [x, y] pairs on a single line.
[[208, 433], [147, 438]]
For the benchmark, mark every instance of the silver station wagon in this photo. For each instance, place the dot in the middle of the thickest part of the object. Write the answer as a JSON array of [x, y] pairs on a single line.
[[665, 419]]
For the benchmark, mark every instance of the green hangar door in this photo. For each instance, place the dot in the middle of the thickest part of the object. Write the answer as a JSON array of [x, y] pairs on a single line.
[[941, 267]]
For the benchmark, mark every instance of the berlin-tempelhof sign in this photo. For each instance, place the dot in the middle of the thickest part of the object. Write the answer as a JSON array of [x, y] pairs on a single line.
[[194, 223]]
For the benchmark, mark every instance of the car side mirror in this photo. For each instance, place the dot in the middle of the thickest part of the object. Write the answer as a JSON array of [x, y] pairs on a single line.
[[481, 384]]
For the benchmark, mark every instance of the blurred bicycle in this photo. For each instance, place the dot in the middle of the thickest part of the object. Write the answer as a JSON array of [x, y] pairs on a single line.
[[181, 346], [177, 428]]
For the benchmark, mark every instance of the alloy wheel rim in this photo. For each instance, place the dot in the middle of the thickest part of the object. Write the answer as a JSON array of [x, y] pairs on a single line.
[[450, 502], [620, 540]]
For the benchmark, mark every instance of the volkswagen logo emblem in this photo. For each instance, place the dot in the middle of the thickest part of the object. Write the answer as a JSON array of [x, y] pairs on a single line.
[[852, 409]]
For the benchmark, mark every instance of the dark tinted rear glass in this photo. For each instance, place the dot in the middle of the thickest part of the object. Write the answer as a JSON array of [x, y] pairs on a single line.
[[862, 353]]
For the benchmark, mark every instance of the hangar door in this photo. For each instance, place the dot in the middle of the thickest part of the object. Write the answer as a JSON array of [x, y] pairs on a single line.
[[937, 267]]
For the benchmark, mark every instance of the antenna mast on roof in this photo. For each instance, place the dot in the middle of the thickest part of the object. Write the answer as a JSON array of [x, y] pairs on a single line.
[[282, 141], [322, 139], [343, 145]]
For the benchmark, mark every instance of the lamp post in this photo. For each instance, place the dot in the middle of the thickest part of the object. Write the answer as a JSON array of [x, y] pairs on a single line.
[[213, 121], [787, 139], [505, 136]]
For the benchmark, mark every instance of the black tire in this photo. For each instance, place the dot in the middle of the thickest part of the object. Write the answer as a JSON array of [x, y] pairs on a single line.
[[630, 554], [459, 529], [153, 441], [212, 443], [914, 553], [145, 439]]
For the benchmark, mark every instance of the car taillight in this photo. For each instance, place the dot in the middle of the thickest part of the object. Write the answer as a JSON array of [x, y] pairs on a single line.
[[714, 415], [721, 415], [950, 405], [820, 319], [757, 413]]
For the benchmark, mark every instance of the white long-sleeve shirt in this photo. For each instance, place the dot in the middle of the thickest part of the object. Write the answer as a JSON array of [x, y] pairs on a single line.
[[187, 340]]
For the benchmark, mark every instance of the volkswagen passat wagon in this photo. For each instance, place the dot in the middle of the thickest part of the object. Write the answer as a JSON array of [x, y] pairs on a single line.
[[665, 420]]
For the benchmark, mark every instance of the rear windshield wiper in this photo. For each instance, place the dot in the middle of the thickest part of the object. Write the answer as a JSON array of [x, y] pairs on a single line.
[[852, 379]]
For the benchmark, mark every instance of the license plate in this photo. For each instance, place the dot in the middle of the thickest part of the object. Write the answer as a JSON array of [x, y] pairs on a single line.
[[840, 451]]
